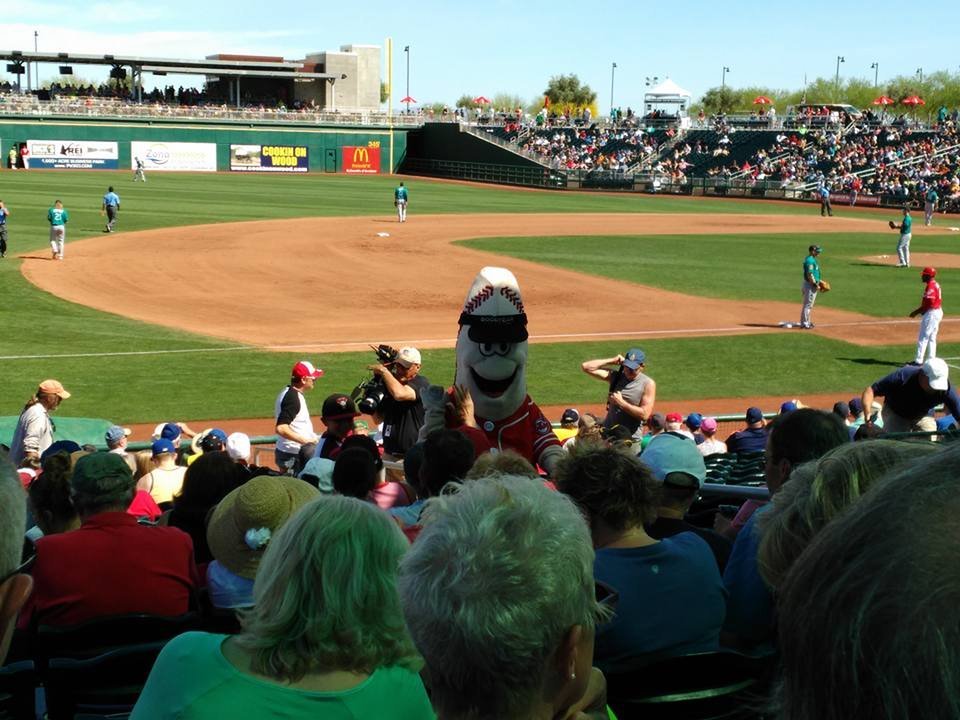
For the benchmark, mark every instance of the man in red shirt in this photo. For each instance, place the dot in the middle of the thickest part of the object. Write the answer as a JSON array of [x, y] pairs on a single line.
[[111, 565], [930, 308]]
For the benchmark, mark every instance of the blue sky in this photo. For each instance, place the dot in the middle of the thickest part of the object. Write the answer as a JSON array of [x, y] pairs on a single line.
[[514, 47]]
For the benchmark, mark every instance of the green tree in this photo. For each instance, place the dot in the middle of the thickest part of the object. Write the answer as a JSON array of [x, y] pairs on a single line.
[[566, 93], [72, 81], [466, 101], [719, 100], [506, 102]]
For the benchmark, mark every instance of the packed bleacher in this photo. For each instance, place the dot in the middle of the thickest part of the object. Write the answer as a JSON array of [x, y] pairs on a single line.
[[665, 566]]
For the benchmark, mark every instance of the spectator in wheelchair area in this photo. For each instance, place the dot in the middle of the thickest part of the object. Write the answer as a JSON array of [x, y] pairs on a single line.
[[111, 565], [314, 645], [671, 598], [820, 491], [15, 584], [505, 644], [868, 624]]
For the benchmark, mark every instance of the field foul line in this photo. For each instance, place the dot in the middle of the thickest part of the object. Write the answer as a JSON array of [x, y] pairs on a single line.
[[363, 345]]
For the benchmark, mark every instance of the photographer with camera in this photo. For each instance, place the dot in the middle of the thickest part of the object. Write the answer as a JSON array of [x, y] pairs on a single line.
[[631, 394], [401, 409]]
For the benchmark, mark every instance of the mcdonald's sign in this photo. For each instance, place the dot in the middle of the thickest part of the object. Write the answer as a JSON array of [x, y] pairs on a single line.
[[361, 160]]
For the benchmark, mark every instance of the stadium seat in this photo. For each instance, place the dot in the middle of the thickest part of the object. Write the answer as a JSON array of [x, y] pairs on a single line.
[[17, 686], [106, 684], [692, 687]]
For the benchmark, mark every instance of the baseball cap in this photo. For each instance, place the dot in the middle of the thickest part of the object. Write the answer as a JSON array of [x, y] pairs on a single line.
[[694, 421], [322, 470], [754, 415], [53, 387], [101, 474], [633, 358], [408, 356], [670, 454], [338, 407], [305, 369], [937, 373], [238, 446], [162, 446], [67, 446], [674, 418], [856, 405], [815, 248], [709, 424], [570, 415], [788, 406], [842, 409], [930, 271], [115, 433], [170, 431]]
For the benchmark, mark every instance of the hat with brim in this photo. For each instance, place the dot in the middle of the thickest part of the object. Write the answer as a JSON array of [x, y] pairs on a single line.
[[675, 460], [244, 522], [53, 387]]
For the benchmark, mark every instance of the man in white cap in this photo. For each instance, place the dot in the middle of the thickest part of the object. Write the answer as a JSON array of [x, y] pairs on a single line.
[[294, 426], [34, 431], [910, 394], [401, 410], [490, 395]]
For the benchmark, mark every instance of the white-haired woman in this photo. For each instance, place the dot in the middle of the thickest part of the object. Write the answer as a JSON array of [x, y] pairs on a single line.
[[325, 638], [499, 597]]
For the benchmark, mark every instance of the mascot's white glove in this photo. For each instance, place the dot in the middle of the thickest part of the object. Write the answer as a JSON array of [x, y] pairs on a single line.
[[434, 407], [550, 457]]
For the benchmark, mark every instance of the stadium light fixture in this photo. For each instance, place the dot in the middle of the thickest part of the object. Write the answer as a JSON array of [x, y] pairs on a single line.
[[723, 77], [920, 73], [613, 70], [406, 49], [840, 59], [876, 74]]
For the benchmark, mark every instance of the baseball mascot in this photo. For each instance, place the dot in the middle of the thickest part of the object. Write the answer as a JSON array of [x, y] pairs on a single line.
[[491, 377]]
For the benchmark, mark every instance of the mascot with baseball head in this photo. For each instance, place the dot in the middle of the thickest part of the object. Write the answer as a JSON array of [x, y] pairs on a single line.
[[489, 401]]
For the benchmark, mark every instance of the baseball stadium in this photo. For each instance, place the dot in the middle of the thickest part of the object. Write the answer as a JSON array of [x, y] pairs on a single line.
[[247, 239]]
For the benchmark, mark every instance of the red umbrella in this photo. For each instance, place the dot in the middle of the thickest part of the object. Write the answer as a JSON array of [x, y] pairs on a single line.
[[762, 100], [884, 100], [409, 99], [913, 100], [481, 100]]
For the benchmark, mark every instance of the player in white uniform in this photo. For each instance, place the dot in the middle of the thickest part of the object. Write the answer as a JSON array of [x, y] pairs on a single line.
[[400, 198], [138, 175]]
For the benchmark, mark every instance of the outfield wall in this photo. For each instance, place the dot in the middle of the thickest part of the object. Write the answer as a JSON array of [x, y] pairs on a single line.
[[346, 149]]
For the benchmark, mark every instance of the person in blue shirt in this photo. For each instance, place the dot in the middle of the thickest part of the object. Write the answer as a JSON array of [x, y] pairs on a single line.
[[906, 232], [400, 199], [911, 393], [111, 206], [825, 208]]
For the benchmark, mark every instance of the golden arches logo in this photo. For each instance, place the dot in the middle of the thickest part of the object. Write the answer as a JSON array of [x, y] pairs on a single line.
[[361, 155]]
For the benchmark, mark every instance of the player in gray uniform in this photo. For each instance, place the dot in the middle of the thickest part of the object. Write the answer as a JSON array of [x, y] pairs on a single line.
[[138, 175], [631, 393]]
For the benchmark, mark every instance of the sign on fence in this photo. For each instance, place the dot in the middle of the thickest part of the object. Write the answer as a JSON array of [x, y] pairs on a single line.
[[74, 154], [269, 158], [197, 157], [360, 160]]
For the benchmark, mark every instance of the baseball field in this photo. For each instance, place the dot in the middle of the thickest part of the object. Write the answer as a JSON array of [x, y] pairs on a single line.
[[215, 284]]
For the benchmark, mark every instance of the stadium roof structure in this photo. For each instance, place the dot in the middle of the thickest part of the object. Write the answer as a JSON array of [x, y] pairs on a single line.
[[668, 88], [283, 69]]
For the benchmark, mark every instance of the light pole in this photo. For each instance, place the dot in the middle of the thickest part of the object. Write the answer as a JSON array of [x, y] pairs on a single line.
[[723, 77], [876, 74], [36, 67], [920, 74], [406, 49], [836, 81], [613, 69]]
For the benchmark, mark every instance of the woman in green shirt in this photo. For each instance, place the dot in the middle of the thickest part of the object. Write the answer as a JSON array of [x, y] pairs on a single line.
[[325, 640]]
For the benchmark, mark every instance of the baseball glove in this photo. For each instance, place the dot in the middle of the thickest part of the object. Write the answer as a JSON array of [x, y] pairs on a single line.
[[892, 224], [824, 286]]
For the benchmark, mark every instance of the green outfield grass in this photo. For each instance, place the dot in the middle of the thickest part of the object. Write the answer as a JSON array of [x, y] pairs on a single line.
[[209, 378], [755, 267]]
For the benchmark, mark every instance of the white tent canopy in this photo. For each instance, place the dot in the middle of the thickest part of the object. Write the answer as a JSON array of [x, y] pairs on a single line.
[[667, 97]]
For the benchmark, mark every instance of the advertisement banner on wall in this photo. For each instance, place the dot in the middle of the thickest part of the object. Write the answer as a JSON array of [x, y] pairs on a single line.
[[191, 157], [74, 154], [269, 158], [361, 160]]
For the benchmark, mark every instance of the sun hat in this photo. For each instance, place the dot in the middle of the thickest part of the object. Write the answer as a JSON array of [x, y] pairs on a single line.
[[244, 522]]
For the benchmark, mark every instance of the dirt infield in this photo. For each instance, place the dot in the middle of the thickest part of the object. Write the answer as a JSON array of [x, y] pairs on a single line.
[[307, 283]]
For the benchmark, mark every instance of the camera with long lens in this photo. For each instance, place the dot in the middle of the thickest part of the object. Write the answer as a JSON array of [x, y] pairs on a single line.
[[370, 392]]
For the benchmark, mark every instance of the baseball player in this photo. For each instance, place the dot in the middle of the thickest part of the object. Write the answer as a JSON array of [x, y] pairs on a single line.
[[3, 229], [57, 216], [929, 205], [930, 308], [400, 201], [812, 284], [111, 207], [825, 208], [906, 232], [138, 175]]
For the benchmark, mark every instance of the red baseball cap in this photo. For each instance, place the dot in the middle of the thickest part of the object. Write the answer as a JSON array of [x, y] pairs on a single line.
[[305, 369], [674, 418], [929, 272]]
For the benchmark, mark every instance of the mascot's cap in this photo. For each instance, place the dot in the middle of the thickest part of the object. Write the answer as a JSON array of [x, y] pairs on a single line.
[[493, 310]]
